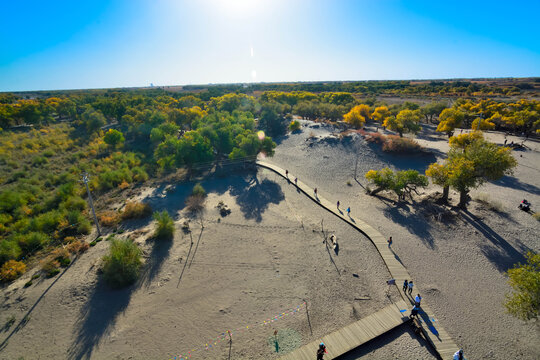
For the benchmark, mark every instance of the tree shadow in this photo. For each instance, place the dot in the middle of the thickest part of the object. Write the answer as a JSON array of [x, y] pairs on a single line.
[[98, 317], [255, 197], [502, 255], [413, 222], [158, 255], [386, 339], [515, 183], [419, 161]]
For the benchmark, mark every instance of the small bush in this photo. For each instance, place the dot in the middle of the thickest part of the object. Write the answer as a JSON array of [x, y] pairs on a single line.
[[394, 143], [198, 190], [11, 270], [9, 250], [122, 265], [51, 268], [134, 210], [48, 153], [195, 203], [93, 243], [493, 205], [536, 216], [9, 322], [294, 125], [28, 283], [164, 225], [62, 256], [39, 160], [109, 218]]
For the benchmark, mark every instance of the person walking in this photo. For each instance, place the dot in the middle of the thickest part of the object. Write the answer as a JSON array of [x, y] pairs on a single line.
[[315, 191], [417, 300], [410, 287], [321, 351], [405, 285], [295, 181], [338, 204], [459, 355], [286, 173], [389, 241], [414, 311], [349, 211]]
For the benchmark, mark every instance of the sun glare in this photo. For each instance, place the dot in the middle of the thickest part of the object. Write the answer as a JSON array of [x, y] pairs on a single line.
[[241, 8]]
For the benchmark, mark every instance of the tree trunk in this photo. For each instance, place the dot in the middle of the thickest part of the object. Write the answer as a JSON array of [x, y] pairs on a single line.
[[463, 197], [446, 190]]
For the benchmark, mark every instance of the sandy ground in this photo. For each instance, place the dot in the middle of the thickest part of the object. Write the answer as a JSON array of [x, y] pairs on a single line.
[[457, 260], [234, 273], [268, 256]]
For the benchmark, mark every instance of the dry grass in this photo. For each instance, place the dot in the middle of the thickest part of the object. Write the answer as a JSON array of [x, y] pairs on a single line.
[[393, 143], [195, 203], [135, 210], [493, 205], [109, 218]]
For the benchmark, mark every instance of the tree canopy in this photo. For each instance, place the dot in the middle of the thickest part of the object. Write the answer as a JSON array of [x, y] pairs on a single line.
[[524, 302]]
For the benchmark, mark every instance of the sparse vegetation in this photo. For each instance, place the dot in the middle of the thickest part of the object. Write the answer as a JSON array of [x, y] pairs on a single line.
[[198, 190], [394, 143], [485, 199], [11, 270], [122, 265], [164, 225], [136, 210], [294, 125], [536, 216], [524, 302]]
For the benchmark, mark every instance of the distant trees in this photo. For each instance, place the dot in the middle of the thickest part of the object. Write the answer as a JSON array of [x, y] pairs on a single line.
[[403, 183], [113, 138], [93, 119], [471, 162], [524, 302], [406, 121]]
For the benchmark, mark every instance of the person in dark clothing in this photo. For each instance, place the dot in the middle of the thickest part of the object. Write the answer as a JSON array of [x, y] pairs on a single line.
[[405, 285], [321, 351], [414, 311]]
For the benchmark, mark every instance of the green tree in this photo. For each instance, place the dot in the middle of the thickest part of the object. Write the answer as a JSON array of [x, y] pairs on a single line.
[[93, 119], [524, 302], [114, 138], [440, 176], [403, 183], [471, 162], [405, 121], [432, 109]]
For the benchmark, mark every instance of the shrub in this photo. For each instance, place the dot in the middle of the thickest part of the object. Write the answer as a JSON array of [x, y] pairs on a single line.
[[11, 270], [195, 203], [164, 225], [122, 265], [198, 190], [134, 210], [294, 125], [398, 144], [9, 250], [536, 216], [139, 174], [62, 256], [77, 247], [48, 153], [393, 143], [32, 242], [39, 160], [50, 266], [74, 203], [109, 218]]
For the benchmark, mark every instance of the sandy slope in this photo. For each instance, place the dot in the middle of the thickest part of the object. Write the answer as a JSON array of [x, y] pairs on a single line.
[[268, 255]]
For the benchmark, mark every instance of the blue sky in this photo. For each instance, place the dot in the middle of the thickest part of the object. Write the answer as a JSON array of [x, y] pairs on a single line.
[[101, 44]]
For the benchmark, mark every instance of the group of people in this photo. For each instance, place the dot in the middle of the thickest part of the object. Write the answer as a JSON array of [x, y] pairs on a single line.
[[315, 192]]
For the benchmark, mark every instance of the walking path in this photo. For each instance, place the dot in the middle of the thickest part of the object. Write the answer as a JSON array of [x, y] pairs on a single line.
[[351, 336], [431, 328]]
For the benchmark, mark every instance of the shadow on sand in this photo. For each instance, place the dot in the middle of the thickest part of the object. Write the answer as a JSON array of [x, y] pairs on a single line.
[[514, 183], [98, 317], [501, 254], [415, 223]]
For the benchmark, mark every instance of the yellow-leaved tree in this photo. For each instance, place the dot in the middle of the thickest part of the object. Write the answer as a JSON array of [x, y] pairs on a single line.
[[357, 116]]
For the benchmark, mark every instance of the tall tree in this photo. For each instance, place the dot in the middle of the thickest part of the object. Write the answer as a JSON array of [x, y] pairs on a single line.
[[405, 121], [449, 120]]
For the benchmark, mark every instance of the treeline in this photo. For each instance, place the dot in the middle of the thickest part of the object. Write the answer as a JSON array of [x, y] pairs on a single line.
[[366, 88]]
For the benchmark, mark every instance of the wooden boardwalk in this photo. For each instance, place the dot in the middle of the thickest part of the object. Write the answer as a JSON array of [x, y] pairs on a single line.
[[432, 330], [351, 336]]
